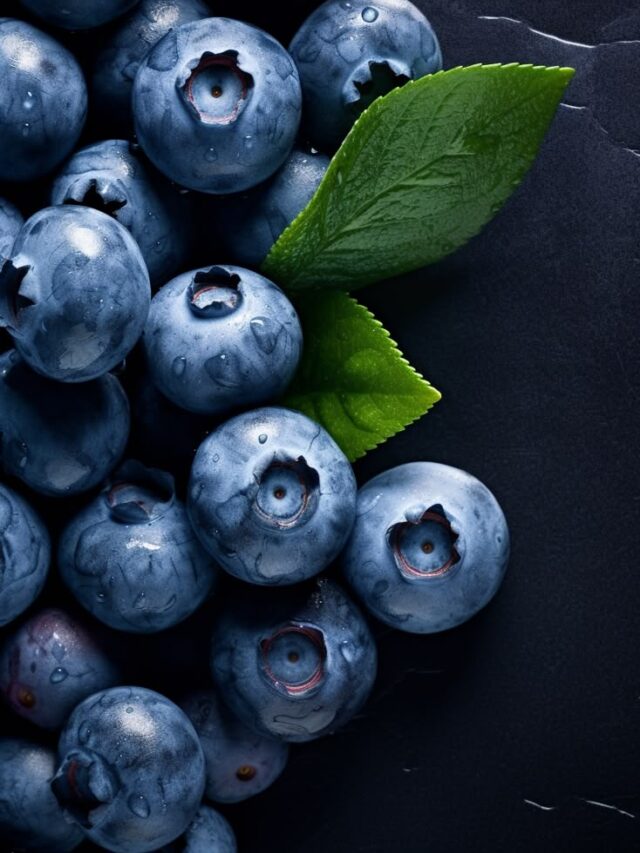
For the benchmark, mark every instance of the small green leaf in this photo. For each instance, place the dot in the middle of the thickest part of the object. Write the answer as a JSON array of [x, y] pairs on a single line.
[[353, 378], [423, 169]]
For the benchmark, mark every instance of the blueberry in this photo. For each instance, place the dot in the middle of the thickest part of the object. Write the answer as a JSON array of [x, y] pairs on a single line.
[[294, 664], [209, 833], [429, 547], [49, 665], [78, 14], [240, 763], [251, 223], [59, 439], [43, 101], [30, 817], [131, 770], [75, 294], [118, 61], [10, 224], [131, 557], [216, 105], [112, 177], [272, 496], [221, 337], [348, 54], [25, 553]]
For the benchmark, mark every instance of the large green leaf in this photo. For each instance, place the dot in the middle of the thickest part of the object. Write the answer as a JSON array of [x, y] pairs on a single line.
[[423, 169], [353, 378]]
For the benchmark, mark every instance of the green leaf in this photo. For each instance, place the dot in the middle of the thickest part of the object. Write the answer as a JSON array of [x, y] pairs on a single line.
[[423, 169], [353, 378]]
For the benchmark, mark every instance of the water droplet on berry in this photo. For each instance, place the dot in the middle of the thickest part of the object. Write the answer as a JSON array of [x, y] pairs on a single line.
[[179, 365], [265, 331], [84, 732], [59, 674], [369, 14], [139, 805], [211, 155], [262, 438]]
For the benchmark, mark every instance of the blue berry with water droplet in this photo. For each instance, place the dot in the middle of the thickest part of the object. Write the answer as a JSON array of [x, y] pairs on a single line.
[[43, 101], [25, 553], [75, 293], [59, 438], [112, 177], [293, 664], [272, 496], [49, 664], [348, 54], [240, 763], [221, 337], [131, 770], [31, 819], [217, 105], [131, 557], [429, 548]]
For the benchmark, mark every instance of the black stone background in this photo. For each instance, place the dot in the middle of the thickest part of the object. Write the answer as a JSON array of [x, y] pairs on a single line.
[[518, 731]]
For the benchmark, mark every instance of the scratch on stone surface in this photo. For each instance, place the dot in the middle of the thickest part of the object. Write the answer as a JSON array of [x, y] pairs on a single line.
[[551, 37], [540, 806], [610, 807]]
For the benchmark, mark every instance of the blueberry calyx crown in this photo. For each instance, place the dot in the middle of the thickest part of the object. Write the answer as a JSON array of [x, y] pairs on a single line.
[[139, 495], [214, 293], [288, 492], [217, 89], [373, 79], [293, 659], [83, 785], [424, 549], [12, 302], [103, 199]]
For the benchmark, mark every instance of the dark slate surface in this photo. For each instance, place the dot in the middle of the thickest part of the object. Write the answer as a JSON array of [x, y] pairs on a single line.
[[519, 731]]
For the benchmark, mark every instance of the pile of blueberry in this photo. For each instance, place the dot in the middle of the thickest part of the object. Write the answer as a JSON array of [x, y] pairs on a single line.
[[97, 369]]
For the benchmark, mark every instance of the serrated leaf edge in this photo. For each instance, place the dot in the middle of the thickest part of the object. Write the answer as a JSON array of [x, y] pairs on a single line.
[[399, 355]]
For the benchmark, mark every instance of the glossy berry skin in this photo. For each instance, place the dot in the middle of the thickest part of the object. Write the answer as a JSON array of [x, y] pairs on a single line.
[[429, 547], [25, 554], [294, 664], [272, 496], [209, 833], [59, 439], [251, 223], [43, 102], [348, 54], [240, 763], [10, 224], [131, 557], [131, 770], [221, 337], [30, 817], [78, 14], [112, 177], [75, 294], [216, 105], [49, 664], [118, 61]]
